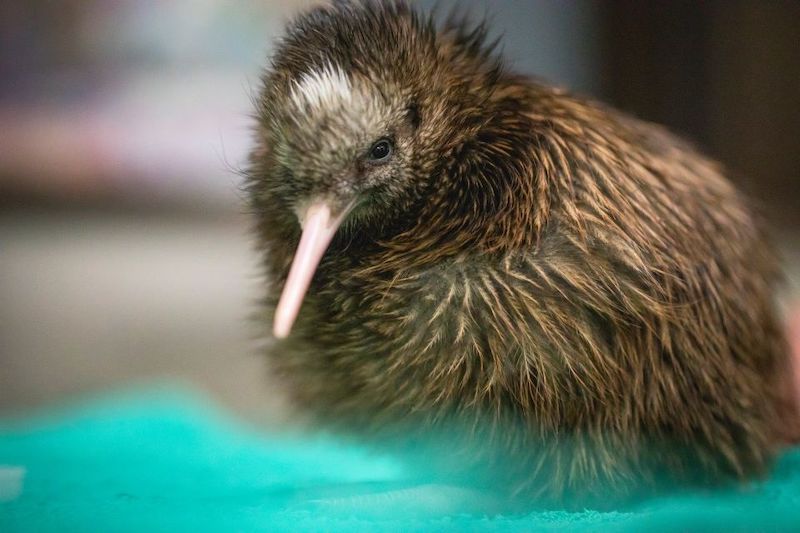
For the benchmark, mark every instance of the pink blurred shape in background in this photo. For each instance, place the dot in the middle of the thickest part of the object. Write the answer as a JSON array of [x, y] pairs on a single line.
[[141, 101]]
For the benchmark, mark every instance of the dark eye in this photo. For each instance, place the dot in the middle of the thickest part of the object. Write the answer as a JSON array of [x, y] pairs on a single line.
[[380, 151]]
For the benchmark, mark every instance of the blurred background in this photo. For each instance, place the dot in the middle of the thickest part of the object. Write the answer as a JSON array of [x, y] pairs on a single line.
[[124, 248]]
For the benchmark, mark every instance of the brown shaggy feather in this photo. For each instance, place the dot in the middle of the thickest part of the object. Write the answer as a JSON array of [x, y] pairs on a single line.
[[584, 288]]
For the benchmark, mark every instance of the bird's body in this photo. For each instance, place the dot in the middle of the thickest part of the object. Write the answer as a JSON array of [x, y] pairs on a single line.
[[583, 287]]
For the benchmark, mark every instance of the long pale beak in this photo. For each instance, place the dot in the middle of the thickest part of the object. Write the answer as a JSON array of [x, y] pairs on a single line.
[[319, 226]]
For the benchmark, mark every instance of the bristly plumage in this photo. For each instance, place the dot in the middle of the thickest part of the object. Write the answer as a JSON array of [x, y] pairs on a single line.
[[582, 285]]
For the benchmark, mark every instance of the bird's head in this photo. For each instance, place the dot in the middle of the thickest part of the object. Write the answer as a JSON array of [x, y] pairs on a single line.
[[362, 102]]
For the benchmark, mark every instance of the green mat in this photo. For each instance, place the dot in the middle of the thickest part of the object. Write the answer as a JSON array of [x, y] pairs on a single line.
[[167, 460]]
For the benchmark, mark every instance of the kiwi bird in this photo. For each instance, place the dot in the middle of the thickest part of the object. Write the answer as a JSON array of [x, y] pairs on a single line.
[[450, 244]]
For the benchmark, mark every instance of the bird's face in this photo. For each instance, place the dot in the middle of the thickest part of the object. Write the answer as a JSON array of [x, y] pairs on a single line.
[[346, 146], [344, 140]]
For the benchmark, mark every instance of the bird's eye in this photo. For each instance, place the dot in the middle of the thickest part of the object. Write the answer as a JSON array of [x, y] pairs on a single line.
[[380, 151]]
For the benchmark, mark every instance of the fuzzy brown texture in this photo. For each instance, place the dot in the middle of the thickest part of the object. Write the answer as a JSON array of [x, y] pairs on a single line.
[[580, 288]]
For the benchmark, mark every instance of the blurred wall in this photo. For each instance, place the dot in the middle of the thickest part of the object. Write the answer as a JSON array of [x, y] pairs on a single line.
[[725, 73]]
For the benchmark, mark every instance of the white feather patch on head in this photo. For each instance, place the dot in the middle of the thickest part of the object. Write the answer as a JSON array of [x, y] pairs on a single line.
[[327, 86]]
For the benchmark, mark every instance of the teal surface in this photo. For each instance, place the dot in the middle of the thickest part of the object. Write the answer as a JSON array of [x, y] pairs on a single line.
[[161, 460]]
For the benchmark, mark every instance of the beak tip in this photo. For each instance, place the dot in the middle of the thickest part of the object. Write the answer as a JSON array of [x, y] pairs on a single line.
[[281, 330]]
